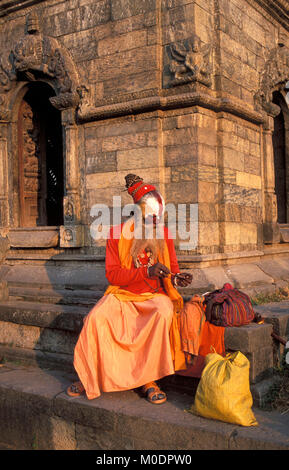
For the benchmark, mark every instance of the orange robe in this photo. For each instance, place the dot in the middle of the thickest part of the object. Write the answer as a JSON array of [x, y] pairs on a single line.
[[127, 337]]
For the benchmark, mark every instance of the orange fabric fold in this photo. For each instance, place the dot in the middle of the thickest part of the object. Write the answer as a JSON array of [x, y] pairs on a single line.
[[124, 247], [192, 320], [124, 345], [212, 338]]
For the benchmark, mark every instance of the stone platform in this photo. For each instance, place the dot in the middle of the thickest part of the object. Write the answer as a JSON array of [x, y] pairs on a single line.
[[41, 316], [49, 296], [120, 420]]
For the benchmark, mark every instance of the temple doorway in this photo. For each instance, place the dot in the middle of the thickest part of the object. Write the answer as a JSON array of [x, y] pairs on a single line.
[[40, 159], [279, 149]]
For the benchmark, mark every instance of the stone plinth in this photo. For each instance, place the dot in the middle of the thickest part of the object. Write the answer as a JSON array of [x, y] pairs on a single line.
[[255, 342]]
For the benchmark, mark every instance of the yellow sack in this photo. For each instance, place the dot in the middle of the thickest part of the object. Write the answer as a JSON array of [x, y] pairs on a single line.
[[224, 392]]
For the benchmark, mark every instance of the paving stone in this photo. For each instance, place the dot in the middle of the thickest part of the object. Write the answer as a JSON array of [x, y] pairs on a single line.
[[275, 268], [244, 275]]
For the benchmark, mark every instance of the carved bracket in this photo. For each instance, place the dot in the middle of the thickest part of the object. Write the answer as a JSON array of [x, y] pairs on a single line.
[[188, 61]]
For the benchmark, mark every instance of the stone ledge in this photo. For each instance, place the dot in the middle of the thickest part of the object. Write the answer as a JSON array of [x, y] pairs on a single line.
[[248, 338], [53, 316], [37, 358], [277, 315], [118, 420], [36, 237]]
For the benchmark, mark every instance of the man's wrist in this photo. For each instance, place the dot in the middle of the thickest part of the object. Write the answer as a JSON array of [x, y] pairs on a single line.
[[175, 284]]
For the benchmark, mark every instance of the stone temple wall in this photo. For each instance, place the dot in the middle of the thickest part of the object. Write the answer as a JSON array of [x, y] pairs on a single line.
[[176, 91]]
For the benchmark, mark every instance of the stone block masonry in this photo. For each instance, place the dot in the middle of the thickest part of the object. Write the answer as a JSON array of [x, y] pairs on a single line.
[[168, 89]]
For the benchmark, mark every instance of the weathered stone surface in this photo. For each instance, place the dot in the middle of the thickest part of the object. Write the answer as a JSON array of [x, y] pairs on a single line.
[[284, 232], [146, 157], [271, 232], [175, 153], [277, 315], [261, 364], [247, 275], [248, 338], [101, 161], [51, 276], [31, 337], [260, 390], [118, 420], [118, 58], [33, 238], [276, 268], [122, 9]]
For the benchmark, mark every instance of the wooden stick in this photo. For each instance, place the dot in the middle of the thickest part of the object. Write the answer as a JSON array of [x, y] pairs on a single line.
[[278, 338]]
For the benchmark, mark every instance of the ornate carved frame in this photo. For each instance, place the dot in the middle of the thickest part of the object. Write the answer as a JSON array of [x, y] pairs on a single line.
[[33, 58], [274, 77]]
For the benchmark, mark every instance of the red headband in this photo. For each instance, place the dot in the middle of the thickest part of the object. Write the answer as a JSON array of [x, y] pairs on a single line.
[[139, 189]]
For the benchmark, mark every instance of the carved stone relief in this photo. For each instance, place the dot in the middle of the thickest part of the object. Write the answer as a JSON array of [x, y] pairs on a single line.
[[71, 236], [188, 61], [35, 57], [273, 77]]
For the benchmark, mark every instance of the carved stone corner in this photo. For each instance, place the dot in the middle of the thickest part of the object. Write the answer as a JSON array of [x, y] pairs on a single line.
[[71, 236]]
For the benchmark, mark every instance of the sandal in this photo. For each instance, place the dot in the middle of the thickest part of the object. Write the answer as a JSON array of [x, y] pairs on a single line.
[[154, 394], [75, 390]]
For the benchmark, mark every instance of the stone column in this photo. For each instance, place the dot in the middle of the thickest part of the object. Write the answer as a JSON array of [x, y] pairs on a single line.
[[271, 231], [71, 233]]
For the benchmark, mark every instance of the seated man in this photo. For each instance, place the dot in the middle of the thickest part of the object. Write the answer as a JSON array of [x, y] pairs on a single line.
[[130, 338]]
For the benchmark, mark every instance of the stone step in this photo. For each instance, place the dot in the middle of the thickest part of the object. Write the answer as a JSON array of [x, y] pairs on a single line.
[[54, 296], [44, 315], [50, 420], [73, 275], [52, 329], [46, 334]]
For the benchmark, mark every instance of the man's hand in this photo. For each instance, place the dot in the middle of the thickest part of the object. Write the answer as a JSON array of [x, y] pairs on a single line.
[[158, 270], [183, 280]]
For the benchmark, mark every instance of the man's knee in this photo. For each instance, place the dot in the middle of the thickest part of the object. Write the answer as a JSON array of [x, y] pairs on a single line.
[[166, 308], [102, 310]]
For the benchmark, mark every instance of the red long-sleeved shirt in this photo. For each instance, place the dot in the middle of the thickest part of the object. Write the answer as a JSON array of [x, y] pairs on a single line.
[[135, 279]]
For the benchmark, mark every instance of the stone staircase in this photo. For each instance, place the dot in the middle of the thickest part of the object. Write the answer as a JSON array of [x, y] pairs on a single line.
[[41, 316], [49, 296]]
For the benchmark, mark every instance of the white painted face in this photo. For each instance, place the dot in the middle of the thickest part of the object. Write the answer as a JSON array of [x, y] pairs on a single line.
[[153, 205]]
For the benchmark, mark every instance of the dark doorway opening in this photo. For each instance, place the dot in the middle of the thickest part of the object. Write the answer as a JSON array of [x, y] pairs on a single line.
[[40, 152], [280, 161]]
